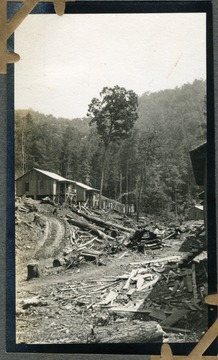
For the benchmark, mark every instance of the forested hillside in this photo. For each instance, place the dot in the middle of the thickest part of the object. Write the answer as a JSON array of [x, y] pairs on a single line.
[[150, 168]]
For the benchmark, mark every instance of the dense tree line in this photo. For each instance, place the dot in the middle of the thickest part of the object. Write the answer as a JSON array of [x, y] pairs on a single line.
[[149, 168]]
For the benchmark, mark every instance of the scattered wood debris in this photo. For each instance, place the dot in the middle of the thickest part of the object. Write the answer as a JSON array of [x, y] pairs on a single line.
[[151, 294]]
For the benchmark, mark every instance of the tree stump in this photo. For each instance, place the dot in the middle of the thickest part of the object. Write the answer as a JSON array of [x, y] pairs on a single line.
[[32, 271]]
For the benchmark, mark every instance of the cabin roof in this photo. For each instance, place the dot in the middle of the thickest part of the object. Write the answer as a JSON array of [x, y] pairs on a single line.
[[53, 175], [47, 173], [86, 187]]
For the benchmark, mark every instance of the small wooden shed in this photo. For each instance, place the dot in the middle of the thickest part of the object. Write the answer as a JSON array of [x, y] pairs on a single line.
[[37, 183], [85, 193], [199, 166], [196, 212]]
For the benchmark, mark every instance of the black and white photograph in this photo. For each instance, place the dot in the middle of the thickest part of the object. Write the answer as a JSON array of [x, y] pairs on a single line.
[[110, 134]]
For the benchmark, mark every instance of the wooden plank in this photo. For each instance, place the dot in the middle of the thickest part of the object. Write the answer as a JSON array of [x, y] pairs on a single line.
[[149, 284], [132, 274], [140, 282], [194, 284], [168, 258], [122, 309], [109, 298]]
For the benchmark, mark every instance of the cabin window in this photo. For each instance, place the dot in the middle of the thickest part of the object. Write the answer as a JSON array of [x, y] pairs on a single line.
[[27, 186]]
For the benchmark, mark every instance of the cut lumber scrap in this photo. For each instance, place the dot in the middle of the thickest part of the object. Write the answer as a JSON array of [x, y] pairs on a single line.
[[167, 259], [141, 332], [176, 286], [174, 318], [149, 284], [109, 298], [190, 306], [123, 309], [169, 236], [201, 257], [131, 291], [144, 276], [132, 274], [89, 227], [106, 286], [103, 223], [90, 252], [89, 242], [140, 282], [124, 254]]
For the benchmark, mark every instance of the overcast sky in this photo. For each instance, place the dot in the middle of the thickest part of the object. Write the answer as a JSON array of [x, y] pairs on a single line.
[[67, 60]]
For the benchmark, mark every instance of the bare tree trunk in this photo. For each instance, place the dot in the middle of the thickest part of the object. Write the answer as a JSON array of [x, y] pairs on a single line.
[[102, 176], [115, 190], [121, 190], [127, 186], [139, 199], [23, 153], [176, 205]]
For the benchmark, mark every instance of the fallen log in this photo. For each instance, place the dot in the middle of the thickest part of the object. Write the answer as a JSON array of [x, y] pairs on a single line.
[[141, 332], [179, 330], [174, 318], [89, 227], [122, 309], [101, 222], [34, 301], [90, 252]]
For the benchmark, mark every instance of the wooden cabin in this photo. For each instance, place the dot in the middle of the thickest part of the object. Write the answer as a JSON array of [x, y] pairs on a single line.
[[38, 184], [85, 194]]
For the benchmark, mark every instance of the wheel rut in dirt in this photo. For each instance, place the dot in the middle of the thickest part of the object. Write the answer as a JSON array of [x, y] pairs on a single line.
[[53, 240]]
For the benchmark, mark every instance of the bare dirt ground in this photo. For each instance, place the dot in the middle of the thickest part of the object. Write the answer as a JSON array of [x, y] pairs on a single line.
[[74, 305]]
